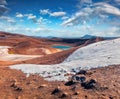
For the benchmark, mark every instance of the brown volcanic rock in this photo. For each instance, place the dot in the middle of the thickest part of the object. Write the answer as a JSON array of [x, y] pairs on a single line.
[[52, 58], [18, 86]]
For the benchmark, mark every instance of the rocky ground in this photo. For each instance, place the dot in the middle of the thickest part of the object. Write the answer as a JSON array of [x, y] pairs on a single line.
[[100, 83]]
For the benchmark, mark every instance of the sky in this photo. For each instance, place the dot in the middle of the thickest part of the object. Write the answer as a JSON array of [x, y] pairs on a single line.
[[61, 18]]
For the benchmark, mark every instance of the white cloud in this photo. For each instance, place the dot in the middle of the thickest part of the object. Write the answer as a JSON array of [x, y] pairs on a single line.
[[55, 14], [107, 8], [79, 17], [42, 20], [30, 16], [84, 15], [34, 18], [99, 15], [77, 31], [44, 11], [109, 32], [3, 8], [100, 9], [58, 14], [19, 15], [8, 19], [84, 3], [64, 17]]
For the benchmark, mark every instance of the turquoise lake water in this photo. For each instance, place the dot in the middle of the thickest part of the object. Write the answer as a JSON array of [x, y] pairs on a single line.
[[62, 47]]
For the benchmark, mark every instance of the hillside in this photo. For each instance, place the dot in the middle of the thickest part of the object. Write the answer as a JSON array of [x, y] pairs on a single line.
[[26, 49]]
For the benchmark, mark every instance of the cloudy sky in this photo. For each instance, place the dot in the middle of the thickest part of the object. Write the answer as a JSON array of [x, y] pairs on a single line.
[[61, 18]]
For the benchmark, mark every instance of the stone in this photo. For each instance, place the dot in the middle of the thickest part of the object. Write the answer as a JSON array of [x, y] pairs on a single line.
[[56, 90], [89, 84], [84, 72]]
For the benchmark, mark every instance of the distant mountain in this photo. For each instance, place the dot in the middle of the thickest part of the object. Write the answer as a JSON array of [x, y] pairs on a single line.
[[88, 36], [92, 36]]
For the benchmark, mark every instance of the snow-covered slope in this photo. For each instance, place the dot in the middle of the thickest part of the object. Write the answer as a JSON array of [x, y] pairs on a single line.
[[96, 55], [51, 73], [99, 54]]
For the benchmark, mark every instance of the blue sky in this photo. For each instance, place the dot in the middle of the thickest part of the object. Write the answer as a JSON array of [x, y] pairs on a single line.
[[60, 18]]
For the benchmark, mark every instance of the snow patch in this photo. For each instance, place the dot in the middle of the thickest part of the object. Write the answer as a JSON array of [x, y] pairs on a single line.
[[51, 73]]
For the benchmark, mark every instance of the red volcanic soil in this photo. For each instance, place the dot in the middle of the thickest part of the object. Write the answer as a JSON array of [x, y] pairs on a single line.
[[15, 85]]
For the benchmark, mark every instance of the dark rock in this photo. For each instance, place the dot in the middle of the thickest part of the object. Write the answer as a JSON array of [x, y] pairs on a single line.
[[56, 90], [86, 97], [89, 85], [110, 97], [69, 83], [80, 79], [64, 95], [73, 70], [18, 89], [82, 72], [13, 85], [76, 93]]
